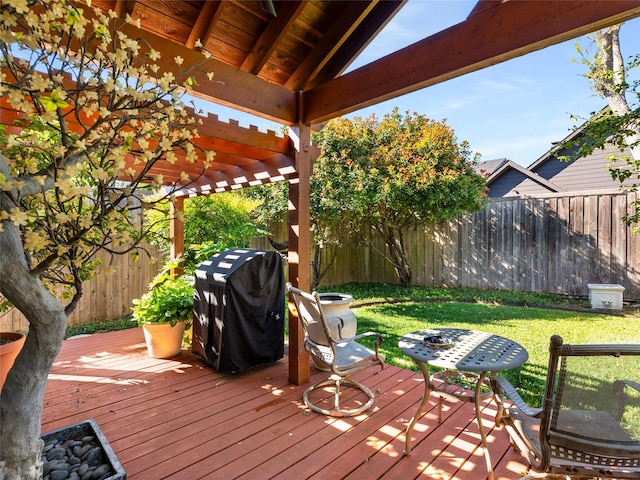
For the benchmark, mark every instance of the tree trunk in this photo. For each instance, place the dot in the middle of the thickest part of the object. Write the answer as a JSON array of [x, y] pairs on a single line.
[[394, 241], [320, 268], [609, 82], [22, 397]]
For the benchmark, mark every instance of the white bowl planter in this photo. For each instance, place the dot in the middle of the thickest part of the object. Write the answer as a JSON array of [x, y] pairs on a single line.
[[162, 339], [341, 319]]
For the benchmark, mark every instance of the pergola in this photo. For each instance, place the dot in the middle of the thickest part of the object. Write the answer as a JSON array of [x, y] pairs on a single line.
[[284, 61]]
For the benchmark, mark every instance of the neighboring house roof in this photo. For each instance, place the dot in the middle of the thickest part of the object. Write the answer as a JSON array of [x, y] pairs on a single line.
[[513, 180], [549, 174], [487, 167]]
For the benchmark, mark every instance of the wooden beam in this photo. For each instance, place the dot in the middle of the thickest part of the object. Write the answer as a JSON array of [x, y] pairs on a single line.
[[492, 35], [483, 5], [299, 253], [251, 137], [124, 7], [206, 19], [176, 232], [364, 33], [352, 14], [230, 86]]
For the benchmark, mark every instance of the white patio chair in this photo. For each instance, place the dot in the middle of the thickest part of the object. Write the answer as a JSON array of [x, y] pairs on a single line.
[[342, 357]]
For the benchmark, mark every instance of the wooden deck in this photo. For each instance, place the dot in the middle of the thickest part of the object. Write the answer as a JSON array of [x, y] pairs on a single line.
[[180, 419]]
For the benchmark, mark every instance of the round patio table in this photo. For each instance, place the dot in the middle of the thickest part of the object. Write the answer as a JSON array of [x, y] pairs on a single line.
[[459, 352]]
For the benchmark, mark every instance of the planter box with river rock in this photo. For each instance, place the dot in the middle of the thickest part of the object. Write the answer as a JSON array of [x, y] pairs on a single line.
[[79, 452]]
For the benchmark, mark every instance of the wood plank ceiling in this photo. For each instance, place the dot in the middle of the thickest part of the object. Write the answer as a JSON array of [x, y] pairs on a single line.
[[263, 53]]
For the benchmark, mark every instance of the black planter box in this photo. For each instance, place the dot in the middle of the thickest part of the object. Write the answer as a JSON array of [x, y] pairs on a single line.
[[89, 428]]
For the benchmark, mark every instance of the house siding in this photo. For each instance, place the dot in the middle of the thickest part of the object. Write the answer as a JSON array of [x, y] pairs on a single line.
[[584, 174], [513, 183]]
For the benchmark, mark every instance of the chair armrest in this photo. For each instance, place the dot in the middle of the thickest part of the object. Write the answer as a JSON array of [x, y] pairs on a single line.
[[618, 393], [505, 387], [618, 385], [359, 336]]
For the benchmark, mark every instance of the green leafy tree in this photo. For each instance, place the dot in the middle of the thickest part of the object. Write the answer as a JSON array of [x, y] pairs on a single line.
[[95, 116], [212, 223], [271, 203], [324, 223], [619, 125], [391, 174]]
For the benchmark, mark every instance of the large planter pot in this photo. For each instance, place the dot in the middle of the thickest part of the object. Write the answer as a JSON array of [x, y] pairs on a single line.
[[341, 319], [10, 345], [162, 339]]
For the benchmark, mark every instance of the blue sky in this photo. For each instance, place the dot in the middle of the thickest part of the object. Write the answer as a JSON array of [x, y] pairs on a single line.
[[513, 110]]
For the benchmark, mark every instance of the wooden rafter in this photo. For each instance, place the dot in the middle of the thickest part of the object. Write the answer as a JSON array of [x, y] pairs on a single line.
[[361, 36], [270, 38], [204, 24], [337, 34], [124, 7]]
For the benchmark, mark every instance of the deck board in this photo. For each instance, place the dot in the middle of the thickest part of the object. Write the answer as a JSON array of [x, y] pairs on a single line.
[[180, 419]]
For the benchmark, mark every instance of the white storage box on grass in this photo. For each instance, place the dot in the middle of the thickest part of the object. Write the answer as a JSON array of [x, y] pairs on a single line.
[[606, 295]]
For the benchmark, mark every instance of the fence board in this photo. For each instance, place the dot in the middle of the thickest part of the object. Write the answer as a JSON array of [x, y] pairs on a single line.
[[429, 245], [618, 237], [563, 264], [604, 238], [591, 236], [518, 260], [632, 263], [576, 258]]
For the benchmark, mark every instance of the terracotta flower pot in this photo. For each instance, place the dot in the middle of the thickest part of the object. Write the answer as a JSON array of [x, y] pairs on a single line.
[[10, 345], [162, 339]]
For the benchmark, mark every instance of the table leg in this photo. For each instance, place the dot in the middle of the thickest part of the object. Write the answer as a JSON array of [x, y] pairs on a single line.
[[483, 437], [425, 398]]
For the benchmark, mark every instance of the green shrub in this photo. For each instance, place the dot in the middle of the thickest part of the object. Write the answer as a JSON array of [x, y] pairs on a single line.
[[169, 299]]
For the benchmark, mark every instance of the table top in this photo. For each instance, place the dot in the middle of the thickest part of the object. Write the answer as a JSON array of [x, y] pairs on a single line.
[[469, 350]]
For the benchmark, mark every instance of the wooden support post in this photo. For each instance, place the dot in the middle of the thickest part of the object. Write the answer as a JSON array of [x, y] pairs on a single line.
[[299, 252], [176, 232]]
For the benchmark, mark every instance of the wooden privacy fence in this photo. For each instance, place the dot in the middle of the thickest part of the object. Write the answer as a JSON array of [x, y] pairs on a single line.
[[555, 244], [106, 296]]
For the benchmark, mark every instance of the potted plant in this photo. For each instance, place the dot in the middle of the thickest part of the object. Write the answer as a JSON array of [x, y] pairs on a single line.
[[165, 312], [10, 345]]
